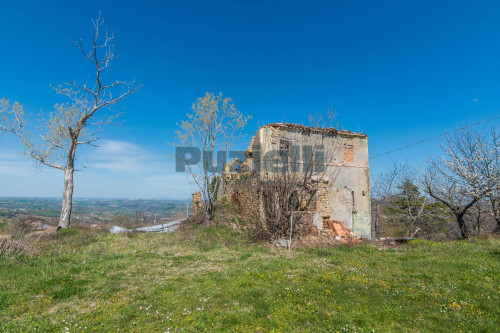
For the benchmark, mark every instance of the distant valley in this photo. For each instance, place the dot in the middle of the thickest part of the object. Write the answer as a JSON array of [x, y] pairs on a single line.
[[94, 210]]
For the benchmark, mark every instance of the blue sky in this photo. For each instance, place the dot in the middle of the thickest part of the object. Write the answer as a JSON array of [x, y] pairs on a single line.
[[398, 71]]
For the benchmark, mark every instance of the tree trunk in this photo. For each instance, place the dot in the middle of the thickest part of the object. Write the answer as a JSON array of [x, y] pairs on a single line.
[[291, 230], [67, 201], [208, 212], [496, 210], [461, 224], [497, 218]]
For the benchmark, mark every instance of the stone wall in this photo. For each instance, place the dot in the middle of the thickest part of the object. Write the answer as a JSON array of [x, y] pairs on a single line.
[[241, 189], [198, 204]]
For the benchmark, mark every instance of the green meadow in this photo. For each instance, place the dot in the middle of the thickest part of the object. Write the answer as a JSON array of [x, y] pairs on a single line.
[[215, 280]]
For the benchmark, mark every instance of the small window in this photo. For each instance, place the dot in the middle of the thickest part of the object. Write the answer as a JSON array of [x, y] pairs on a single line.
[[284, 145], [348, 154]]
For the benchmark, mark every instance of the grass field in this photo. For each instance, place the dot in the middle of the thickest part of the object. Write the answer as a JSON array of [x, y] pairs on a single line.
[[207, 279]]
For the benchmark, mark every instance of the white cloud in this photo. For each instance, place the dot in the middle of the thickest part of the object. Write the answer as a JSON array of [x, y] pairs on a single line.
[[20, 176], [114, 169], [127, 157], [15, 164], [115, 147], [16, 168]]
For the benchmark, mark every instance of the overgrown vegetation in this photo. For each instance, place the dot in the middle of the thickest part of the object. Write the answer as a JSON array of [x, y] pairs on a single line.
[[406, 212], [21, 225], [457, 196], [214, 279]]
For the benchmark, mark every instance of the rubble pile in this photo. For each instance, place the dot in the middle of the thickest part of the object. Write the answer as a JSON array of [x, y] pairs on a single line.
[[339, 231]]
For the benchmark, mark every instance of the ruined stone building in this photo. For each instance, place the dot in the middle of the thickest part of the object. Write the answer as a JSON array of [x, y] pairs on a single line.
[[344, 193]]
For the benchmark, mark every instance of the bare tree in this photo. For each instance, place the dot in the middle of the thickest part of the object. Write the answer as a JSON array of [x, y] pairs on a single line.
[[467, 173], [400, 210], [327, 120], [491, 171], [476, 216], [211, 127], [74, 124], [384, 184]]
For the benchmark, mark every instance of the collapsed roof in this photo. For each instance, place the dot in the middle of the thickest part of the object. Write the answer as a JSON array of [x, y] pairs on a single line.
[[308, 129]]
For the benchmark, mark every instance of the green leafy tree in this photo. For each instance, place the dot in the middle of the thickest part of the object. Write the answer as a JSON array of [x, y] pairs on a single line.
[[211, 126]]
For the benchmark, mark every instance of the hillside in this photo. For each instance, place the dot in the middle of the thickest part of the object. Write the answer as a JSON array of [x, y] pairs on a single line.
[[212, 279]]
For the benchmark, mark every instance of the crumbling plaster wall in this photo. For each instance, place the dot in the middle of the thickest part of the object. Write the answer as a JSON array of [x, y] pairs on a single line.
[[354, 176], [347, 196], [345, 192]]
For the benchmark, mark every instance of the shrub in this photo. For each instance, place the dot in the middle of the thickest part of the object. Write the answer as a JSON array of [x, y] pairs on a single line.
[[122, 220], [12, 247], [21, 225]]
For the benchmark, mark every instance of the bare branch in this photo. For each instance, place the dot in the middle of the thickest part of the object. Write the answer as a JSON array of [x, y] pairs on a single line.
[[468, 172], [71, 125]]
